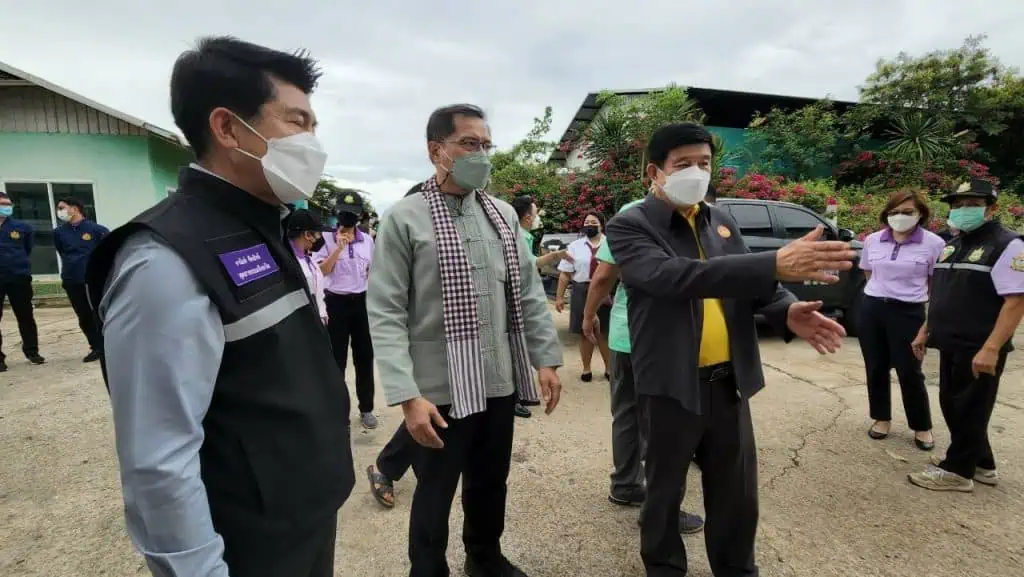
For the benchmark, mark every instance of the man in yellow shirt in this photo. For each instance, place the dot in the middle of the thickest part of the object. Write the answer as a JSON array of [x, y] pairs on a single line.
[[694, 289]]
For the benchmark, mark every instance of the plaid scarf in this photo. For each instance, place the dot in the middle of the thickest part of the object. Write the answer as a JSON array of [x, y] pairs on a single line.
[[461, 324]]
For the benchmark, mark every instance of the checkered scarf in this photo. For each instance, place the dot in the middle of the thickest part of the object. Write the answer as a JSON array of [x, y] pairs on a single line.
[[461, 324]]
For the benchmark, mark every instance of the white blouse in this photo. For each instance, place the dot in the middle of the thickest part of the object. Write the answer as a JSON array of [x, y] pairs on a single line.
[[581, 252], [315, 281]]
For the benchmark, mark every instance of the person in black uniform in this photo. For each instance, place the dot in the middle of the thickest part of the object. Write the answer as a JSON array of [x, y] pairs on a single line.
[[976, 305], [229, 415], [75, 239], [16, 280]]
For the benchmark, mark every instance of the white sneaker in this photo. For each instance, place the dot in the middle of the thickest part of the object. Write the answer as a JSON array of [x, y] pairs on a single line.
[[936, 479], [988, 477]]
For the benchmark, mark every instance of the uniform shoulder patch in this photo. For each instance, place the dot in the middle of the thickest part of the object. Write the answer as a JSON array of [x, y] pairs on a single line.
[[1017, 262], [947, 252]]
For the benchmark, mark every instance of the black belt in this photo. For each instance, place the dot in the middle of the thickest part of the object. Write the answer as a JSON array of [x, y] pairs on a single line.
[[718, 372], [898, 302]]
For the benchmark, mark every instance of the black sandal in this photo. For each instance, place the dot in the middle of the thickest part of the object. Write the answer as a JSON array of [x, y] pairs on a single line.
[[381, 487]]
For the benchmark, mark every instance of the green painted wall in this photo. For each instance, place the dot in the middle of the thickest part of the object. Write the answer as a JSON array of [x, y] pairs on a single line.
[[166, 160]]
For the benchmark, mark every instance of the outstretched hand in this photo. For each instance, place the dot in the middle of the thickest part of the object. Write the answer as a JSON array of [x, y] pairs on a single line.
[[823, 333]]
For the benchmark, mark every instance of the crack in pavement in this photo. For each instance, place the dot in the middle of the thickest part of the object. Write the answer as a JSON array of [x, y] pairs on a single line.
[[794, 456]]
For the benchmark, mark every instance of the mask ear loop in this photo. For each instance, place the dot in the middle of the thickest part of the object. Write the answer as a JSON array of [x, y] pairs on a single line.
[[447, 172], [254, 131]]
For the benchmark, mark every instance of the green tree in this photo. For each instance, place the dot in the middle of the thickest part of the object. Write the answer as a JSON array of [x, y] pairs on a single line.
[[624, 125], [962, 89], [800, 144]]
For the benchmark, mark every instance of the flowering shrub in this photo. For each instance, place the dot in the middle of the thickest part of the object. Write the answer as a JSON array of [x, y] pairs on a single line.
[[602, 190], [873, 170]]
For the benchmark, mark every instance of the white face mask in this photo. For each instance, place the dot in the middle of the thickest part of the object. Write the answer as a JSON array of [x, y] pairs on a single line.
[[688, 186], [293, 165], [62, 215], [902, 222]]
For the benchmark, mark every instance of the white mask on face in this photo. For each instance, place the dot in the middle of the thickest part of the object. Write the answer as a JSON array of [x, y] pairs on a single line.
[[688, 186], [902, 222], [62, 215], [293, 164]]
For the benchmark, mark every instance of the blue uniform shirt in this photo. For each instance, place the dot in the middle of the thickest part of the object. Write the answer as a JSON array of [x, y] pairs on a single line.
[[74, 244], [15, 248]]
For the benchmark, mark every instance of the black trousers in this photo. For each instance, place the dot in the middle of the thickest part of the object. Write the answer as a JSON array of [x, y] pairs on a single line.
[[86, 318], [301, 552], [478, 448], [721, 441], [967, 404], [19, 291], [396, 457], [347, 322], [886, 329]]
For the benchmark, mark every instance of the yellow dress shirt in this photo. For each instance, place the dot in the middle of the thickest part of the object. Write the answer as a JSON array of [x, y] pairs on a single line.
[[714, 337]]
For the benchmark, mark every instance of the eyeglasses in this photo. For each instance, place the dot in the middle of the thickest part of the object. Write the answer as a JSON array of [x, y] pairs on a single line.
[[473, 145]]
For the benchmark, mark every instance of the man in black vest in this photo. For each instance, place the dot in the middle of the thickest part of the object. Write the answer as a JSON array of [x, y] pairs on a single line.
[[976, 304], [229, 412]]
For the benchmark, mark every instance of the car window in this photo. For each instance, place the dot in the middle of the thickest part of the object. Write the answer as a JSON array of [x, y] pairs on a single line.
[[752, 218], [797, 222]]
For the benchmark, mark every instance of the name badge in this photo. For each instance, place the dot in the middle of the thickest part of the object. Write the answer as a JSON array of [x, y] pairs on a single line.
[[249, 264]]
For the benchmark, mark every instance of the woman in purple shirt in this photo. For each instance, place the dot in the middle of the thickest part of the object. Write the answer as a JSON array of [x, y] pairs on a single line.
[[898, 262]]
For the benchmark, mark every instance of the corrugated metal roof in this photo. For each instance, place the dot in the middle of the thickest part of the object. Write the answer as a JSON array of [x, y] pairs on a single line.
[[10, 73]]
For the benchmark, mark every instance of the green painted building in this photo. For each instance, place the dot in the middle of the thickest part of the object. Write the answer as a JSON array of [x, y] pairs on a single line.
[[55, 143]]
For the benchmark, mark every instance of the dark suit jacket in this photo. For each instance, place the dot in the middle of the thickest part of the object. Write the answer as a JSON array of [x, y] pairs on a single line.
[[659, 262]]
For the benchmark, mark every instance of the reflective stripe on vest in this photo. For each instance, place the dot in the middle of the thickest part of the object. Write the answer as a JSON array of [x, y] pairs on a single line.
[[963, 266], [266, 317]]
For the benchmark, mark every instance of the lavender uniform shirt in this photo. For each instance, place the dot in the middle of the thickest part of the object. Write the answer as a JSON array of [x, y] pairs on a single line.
[[900, 270], [352, 271], [1008, 272]]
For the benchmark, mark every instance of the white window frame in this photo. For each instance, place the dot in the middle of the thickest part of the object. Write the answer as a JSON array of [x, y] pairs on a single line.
[[53, 202]]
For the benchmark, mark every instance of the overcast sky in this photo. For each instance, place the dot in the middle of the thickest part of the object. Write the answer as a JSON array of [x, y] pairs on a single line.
[[389, 63]]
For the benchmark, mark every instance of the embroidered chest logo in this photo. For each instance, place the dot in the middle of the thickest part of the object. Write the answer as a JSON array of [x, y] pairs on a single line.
[[86, 236], [723, 231], [947, 252], [1017, 264], [15, 234], [976, 254], [249, 264]]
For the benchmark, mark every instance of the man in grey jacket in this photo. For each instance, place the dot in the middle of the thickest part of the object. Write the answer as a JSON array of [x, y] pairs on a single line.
[[458, 316]]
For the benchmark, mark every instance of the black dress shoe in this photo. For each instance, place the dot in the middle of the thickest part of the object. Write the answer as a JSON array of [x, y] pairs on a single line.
[[3, 367], [92, 357], [632, 498], [500, 568], [36, 359], [521, 411], [924, 445], [530, 403]]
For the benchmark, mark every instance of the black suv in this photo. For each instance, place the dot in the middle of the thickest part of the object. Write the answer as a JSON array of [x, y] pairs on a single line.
[[769, 225]]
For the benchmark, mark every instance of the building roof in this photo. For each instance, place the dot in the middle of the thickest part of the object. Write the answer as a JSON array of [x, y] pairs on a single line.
[[11, 76], [725, 108]]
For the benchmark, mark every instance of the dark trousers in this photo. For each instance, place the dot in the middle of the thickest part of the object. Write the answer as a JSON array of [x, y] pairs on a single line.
[[19, 291], [627, 440], [396, 457], [967, 404], [886, 329], [721, 441], [479, 448], [300, 552], [86, 318], [347, 322]]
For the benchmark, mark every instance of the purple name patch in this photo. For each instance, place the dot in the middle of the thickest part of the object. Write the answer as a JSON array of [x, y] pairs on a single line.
[[248, 264]]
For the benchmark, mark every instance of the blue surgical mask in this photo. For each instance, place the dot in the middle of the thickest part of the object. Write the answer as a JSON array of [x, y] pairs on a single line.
[[967, 218], [6, 210]]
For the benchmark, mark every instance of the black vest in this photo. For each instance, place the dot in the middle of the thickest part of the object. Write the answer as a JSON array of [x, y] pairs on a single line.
[[276, 453], [964, 305]]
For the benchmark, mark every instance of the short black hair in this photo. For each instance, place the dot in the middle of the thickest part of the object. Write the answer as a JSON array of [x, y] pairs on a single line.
[[595, 214], [224, 71], [72, 201], [441, 123], [672, 136], [523, 205]]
